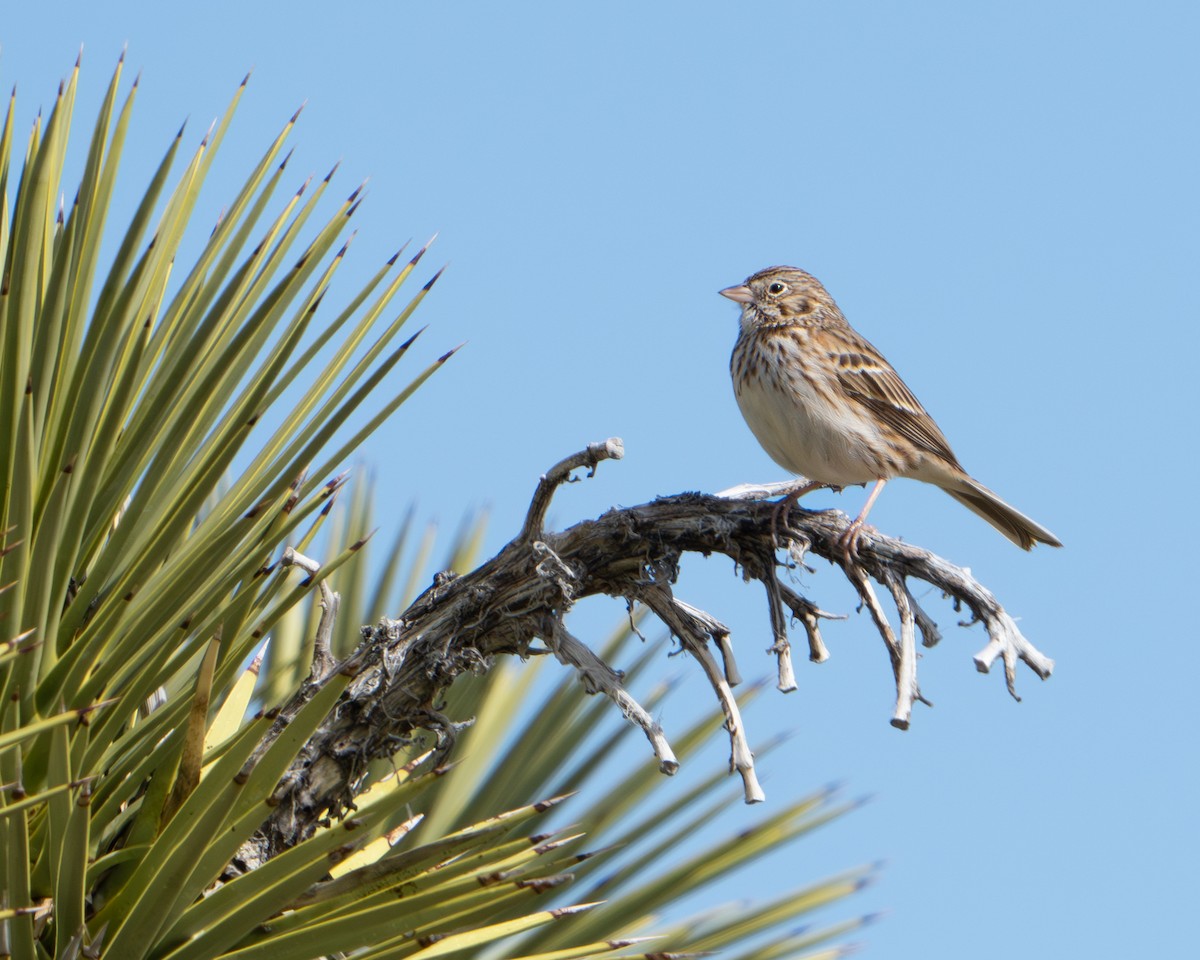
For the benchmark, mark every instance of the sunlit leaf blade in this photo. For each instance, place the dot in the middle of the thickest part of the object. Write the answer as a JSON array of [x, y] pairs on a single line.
[[229, 717], [475, 939], [29, 731]]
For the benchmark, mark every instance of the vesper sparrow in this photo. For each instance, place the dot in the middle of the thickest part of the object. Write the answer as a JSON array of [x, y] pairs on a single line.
[[826, 405]]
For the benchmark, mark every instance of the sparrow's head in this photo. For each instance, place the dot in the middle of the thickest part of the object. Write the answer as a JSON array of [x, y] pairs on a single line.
[[783, 296]]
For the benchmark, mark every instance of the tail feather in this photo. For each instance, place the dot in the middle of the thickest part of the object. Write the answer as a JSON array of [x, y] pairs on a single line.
[[1008, 520]]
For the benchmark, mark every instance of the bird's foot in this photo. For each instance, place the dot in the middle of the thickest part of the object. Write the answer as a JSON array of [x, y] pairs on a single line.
[[849, 540], [784, 505]]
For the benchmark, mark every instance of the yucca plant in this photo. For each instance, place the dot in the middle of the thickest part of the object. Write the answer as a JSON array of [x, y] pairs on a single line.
[[158, 497]]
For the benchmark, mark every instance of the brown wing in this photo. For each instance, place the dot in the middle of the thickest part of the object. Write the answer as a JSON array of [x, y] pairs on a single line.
[[870, 380]]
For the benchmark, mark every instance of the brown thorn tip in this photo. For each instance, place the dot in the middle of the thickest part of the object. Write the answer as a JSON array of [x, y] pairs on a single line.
[[449, 353], [246, 78], [362, 541], [332, 171], [409, 342], [299, 110], [420, 253], [574, 908], [288, 156], [396, 256], [433, 279]]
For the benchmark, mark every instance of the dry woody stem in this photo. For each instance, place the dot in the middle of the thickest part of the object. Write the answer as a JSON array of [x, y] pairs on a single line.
[[516, 604]]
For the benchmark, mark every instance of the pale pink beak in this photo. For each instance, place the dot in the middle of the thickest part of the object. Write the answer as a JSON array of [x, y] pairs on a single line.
[[741, 294]]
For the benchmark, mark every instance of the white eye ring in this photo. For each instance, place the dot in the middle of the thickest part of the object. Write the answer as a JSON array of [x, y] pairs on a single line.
[[776, 288]]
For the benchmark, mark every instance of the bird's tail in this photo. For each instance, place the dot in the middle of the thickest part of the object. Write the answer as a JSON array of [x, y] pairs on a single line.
[[1008, 520]]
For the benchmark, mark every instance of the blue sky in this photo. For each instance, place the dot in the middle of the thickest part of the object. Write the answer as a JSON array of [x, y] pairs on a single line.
[[1001, 197]]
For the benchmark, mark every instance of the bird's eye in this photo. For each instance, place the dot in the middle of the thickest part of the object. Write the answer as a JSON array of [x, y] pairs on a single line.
[[776, 288]]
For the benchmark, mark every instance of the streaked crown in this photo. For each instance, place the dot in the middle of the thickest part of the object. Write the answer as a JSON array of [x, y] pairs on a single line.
[[784, 296]]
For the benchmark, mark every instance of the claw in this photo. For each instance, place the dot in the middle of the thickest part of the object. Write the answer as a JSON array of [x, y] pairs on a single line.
[[784, 505], [848, 541]]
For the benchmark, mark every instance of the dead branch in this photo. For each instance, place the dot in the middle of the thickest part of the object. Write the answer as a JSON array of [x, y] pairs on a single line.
[[323, 660], [522, 595]]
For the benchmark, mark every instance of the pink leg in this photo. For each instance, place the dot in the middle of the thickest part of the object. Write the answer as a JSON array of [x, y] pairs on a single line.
[[849, 540]]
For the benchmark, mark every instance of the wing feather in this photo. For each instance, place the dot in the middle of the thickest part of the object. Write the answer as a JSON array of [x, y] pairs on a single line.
[[870, 380]]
